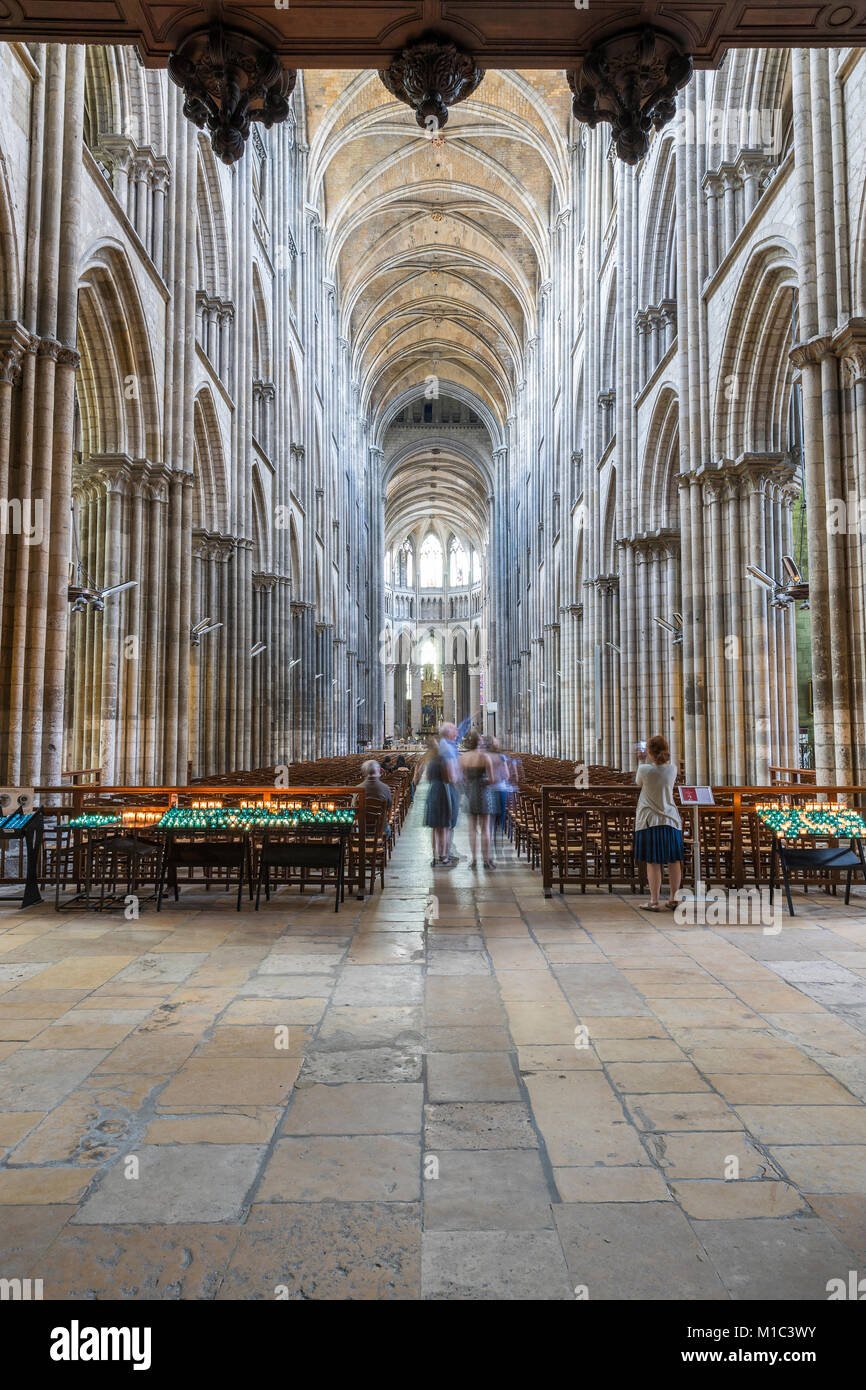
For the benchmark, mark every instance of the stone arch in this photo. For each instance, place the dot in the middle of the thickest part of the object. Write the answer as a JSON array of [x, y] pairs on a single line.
[[658, 275], [261, 346], [608, 341], [116, 384], [295, 567], [9, 254], [262, 547], [608, 533], [212, 238], [457, 646], [121, 98], [659, 505], [755, 374], [859, 258], [403, 646], [210, 505]]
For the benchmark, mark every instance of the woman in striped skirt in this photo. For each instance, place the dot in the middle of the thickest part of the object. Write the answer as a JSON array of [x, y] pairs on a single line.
[[658, 838]]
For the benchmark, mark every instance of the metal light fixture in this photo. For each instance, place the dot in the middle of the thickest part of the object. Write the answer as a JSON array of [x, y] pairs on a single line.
[[257, 648], [675, 628], [785, 592], [82, 597], [200, 630], [81, 591]]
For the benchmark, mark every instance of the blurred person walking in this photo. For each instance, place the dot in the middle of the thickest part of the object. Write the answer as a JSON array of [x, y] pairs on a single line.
[[481, 797]]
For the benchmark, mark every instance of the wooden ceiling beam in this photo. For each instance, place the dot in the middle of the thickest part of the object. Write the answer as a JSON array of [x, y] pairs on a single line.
[[553, 34]]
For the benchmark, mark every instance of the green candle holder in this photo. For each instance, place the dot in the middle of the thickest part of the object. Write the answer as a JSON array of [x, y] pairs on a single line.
[[813, 819]]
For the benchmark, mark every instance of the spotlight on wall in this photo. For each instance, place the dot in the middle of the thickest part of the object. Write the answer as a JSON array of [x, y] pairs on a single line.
[[81, 591], [82, 598], [257, 648], [294, 663], [784, 592], [615, 648], [200, 630], [675, 628]]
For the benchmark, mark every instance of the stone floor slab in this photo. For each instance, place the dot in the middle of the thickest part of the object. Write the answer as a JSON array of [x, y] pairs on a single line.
[[623, 1251], [475, 1266], [327, 1251], [781, 1258], [471, 1076], [175, 1184], [362, 1168]]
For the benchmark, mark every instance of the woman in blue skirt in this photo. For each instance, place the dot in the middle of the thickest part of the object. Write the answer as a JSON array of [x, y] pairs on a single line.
[[438, 811], [658, 837]]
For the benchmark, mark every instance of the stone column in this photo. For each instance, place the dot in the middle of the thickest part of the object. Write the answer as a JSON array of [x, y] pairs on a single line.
[[415, 713], [448, 703], [390, 671]]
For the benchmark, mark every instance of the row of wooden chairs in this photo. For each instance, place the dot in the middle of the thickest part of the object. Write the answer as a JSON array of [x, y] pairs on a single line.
[[591, 837]]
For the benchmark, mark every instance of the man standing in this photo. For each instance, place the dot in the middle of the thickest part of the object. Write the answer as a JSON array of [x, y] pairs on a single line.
[[448, 750]]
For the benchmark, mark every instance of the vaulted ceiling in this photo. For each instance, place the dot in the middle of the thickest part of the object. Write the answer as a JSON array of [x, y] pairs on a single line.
[[437, 470], [439, 246]]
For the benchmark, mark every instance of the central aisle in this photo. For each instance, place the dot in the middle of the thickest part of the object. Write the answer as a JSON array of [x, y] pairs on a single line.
[[440, 1124]]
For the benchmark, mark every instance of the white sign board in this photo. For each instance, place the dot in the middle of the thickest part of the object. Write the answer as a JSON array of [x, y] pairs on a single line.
[[493, 707], [697, 796]]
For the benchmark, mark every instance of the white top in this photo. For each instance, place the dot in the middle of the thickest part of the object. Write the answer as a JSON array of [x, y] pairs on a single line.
[[656, 805]]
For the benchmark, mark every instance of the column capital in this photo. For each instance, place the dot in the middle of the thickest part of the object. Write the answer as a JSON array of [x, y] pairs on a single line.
[[812, 351], [712, 183], [14, 342], [849, 345]]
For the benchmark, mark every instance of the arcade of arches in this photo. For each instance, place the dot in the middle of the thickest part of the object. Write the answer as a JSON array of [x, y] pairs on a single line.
[[598, 394], [368, 431]]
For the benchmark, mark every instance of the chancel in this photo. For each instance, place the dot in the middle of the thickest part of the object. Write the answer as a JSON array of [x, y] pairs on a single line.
[[433, 632]]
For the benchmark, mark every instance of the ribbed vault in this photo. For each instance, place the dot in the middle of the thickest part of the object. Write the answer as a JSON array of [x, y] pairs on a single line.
[[439, 249]]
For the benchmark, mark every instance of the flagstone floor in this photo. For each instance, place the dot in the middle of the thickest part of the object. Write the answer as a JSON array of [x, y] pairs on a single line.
[[524, 1099]]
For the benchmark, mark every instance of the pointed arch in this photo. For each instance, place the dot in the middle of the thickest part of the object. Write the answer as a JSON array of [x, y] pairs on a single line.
[[10, 261], [116, 384], [212, 238], [262, 540], [295, 571], [659, 505], [608, 534], [755, 373], [210, 504], [261, 330], [658, 279]]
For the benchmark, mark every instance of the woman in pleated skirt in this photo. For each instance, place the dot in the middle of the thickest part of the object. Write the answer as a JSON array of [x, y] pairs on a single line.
[[658, 838]]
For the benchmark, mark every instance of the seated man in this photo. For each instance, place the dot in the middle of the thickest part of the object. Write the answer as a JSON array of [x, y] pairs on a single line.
[[375, 788]]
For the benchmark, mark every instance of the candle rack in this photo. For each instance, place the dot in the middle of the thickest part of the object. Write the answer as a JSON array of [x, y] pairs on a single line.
[[27, 827], [792, 824]]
